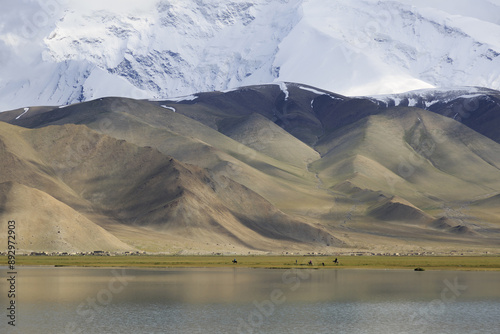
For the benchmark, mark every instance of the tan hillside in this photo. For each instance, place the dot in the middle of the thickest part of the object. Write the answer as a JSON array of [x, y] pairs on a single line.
[[408, 156], [45, 224], [261, 134], [255, 169], [115, 182], [397, 209]]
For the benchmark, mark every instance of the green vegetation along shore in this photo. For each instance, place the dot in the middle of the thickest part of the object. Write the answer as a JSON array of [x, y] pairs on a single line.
[[320, 262]]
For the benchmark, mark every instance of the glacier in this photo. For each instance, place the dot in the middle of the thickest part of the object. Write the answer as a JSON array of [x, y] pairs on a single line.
[[59, 52]]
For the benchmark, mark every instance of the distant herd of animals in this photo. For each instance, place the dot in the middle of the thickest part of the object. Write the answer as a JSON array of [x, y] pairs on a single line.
[[336, 261]]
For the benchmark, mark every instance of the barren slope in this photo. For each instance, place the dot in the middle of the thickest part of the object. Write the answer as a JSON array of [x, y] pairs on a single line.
[[268, 167], [46, 224], [113, 181]]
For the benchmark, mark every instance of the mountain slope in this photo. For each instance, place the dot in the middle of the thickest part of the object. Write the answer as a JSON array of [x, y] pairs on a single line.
[[44, 223], [265, 168], [475, 107], [428, 152], [183, 138], [397, 209], [114, 182]]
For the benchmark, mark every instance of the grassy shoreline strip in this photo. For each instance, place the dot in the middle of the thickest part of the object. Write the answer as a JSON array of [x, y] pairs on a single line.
[[369, 262]]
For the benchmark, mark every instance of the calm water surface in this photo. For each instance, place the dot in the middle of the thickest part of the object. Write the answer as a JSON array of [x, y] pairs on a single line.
[[240, 300]]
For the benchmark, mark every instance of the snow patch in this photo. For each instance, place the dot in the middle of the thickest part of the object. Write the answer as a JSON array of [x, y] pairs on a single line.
[[428, 104], [334, 97], [312, 90], [182, 98], [25, 111], [432, 96], [231, 90], [167, 107], [284, 89], [412, 102]]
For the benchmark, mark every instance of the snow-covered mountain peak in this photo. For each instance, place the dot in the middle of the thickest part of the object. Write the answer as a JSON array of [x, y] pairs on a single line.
[[425, 98], [77, 50], [175, 47]]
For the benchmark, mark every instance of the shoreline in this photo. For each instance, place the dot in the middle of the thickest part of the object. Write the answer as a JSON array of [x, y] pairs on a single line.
[[449, 263]]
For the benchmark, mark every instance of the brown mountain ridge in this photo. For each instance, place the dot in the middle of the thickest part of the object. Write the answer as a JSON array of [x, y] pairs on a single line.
[[111, 182], [258, 169]]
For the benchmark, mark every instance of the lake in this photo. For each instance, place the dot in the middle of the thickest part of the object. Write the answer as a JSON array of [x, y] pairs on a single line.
[[243, 300]]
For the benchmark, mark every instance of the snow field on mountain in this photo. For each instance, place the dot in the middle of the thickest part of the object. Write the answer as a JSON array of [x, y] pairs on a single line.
[[59, 52]]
